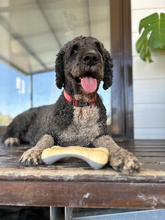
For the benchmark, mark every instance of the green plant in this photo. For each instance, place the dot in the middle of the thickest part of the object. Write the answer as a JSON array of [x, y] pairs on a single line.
[[152, 30]]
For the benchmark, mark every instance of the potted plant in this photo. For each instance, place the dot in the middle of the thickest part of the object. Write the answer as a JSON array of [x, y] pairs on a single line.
[[152, 30]]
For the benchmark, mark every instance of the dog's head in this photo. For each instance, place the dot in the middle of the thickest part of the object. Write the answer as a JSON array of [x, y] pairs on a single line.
[[81, 65]]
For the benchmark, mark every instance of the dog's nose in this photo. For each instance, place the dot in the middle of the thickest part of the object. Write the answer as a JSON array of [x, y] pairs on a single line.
[[90, 59]]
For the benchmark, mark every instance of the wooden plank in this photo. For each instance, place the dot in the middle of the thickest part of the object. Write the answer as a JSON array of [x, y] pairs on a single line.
[[133, 143], [84, 194], [160, 160], [81, 165], [63, 174], [139, 143], [140, 149], [150, 154], [73, 183], [154, 166]]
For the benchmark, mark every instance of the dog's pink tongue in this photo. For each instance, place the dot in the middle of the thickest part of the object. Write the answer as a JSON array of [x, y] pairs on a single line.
[[89, 84]]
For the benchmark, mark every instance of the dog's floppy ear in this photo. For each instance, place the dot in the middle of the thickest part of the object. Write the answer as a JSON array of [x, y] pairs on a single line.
[[108, 73], [59, 69]]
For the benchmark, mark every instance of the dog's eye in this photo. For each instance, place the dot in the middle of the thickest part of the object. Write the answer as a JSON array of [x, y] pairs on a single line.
[[99, 48], [74, 50]]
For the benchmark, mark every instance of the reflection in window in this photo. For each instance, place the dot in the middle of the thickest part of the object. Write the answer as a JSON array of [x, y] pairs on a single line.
[[32, 33], [44, 90], [14, 94]]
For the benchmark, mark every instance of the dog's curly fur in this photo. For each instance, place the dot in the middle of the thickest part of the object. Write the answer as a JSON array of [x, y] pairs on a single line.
[[64, 124]]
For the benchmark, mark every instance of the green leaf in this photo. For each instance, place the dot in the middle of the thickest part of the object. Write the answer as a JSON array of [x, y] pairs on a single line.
[[142, 39], [152, 30], [148, 54], [157, 37], [145, 22], [143, 50]]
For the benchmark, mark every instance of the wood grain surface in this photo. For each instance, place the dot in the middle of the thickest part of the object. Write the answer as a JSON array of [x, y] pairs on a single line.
[[73, 183]]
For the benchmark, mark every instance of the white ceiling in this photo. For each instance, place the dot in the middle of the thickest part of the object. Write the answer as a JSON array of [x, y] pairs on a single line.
[[33, 31]]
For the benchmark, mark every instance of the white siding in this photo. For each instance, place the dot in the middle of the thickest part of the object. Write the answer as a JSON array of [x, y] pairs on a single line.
[[148, 79]]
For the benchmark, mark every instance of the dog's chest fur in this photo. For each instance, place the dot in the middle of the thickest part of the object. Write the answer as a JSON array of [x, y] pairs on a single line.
[[84, 127]]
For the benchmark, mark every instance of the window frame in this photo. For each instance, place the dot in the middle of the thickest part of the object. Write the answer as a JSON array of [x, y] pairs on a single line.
[[122, 89]]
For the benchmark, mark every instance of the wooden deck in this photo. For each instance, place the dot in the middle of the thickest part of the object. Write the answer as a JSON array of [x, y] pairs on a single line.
[[72, 183]]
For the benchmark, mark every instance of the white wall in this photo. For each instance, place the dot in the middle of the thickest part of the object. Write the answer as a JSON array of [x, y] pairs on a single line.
[[148, 79]]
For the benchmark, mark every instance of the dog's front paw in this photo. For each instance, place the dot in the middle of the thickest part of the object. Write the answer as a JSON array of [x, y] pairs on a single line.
[[124, 161], [11, 141], [31, 157]]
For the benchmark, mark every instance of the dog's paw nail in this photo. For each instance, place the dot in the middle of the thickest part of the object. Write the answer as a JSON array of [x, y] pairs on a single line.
[[138, 170], [131, 168], [120, 167]]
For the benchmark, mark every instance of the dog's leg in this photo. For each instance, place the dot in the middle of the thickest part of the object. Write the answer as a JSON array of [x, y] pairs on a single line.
[[120, 159], [32, 156], [18, 127]]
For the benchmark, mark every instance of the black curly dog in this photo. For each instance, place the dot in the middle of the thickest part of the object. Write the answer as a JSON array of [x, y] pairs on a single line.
[[79, 116]]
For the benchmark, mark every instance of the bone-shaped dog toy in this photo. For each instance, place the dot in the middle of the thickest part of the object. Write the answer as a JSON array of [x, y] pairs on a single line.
[[95, 157]]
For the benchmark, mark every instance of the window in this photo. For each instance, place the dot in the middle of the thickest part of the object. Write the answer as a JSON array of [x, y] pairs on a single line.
[[44, 90], [32, 32], [14, 93]]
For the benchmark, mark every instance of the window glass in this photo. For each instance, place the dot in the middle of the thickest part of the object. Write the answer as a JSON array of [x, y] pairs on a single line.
[[32, 32], [44, 90], [14, 94]]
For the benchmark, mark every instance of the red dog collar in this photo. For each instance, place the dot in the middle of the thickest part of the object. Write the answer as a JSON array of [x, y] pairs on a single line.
[[79, 103]]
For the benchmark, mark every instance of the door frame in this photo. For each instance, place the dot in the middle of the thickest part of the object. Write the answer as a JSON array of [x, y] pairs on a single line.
[[122, 88]]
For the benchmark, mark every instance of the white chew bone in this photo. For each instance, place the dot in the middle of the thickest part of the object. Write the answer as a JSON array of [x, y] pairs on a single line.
[[95, 157]]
